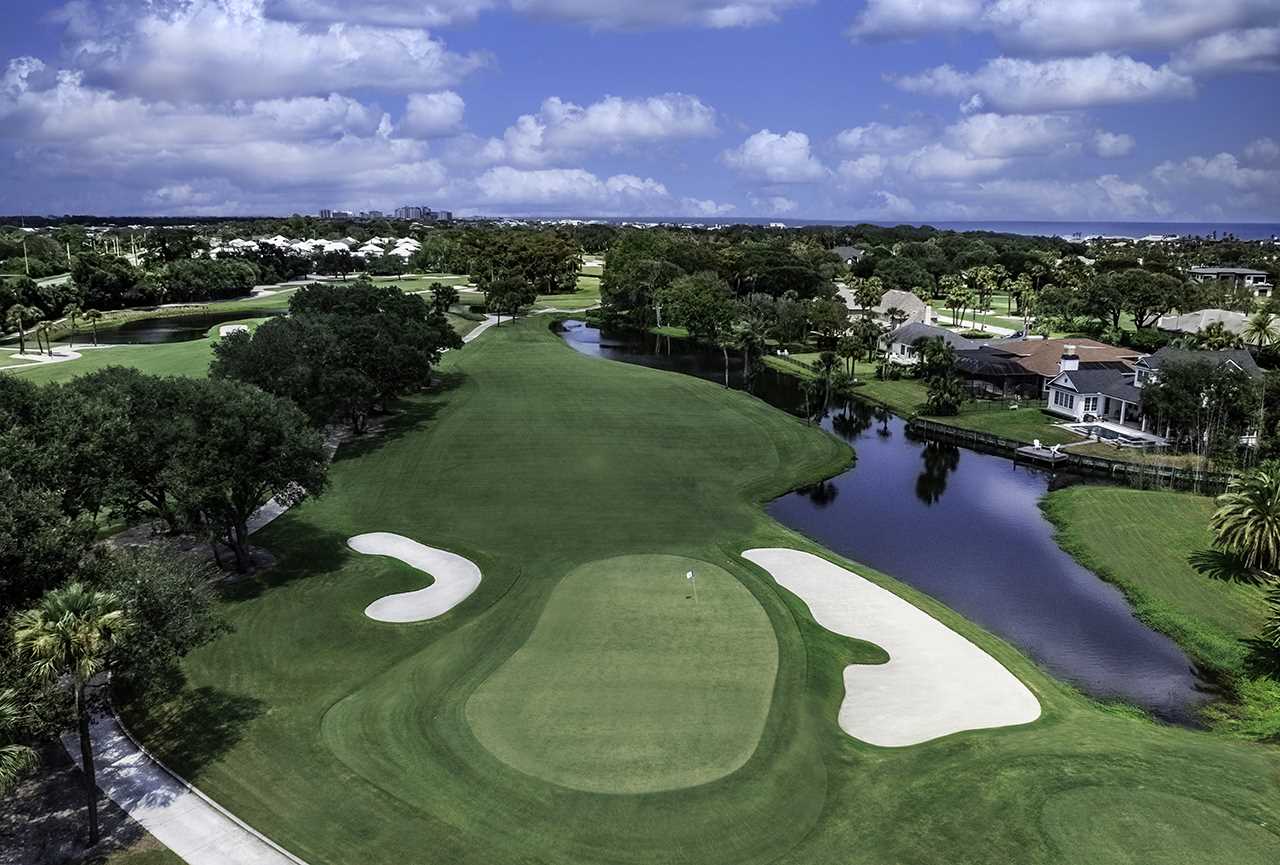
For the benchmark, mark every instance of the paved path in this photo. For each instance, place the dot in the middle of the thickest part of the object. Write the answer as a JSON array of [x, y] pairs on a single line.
[[945, 319], [195, 828]]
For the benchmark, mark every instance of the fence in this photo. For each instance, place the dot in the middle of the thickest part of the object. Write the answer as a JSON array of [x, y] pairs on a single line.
[[1142, 475]]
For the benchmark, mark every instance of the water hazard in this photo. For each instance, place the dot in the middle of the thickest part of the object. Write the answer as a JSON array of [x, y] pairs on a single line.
[[963, 526]]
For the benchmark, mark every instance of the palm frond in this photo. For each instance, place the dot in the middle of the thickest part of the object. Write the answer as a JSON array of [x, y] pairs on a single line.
[[1228, 567]]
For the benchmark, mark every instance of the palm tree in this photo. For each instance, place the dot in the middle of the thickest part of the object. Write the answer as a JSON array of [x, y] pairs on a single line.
[[93, 316], [72, 312], [42, 329], [17, 317], [71, 635], [1216, 337], [1262, 329], [15, 760]]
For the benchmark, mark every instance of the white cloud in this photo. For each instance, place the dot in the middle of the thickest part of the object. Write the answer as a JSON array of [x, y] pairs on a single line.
[[774, 205], [562, 130], [704, 207], [429, 115], [659, 13], [769, 157], [1110, 145], [1017, 85], [1222, 169], [1256, 49], [903, 18], [879, 137], [229, 49], [999, 135], [1262, 150], [863, 169], [387, 13], [939, 162], [1075, 27], [563, 189]]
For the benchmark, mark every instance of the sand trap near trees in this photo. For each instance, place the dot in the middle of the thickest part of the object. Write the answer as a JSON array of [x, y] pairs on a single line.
[[455, 578], [935, 683]]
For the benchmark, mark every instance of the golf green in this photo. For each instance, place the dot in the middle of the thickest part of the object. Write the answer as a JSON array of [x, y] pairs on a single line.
[[350, 740], [634, 680]]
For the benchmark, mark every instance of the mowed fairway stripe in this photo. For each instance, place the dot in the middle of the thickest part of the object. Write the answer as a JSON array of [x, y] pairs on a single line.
[[633, 682]]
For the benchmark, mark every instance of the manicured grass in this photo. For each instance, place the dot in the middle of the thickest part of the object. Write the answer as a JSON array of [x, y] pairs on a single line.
[[630, 685], [588, 294], [146, 851], [1140, 540], [347, 740]]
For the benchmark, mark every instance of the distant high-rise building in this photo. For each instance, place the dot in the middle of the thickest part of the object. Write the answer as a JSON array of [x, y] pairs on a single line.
[[325, 213], [373, 214], [410, 211], [444, 215]]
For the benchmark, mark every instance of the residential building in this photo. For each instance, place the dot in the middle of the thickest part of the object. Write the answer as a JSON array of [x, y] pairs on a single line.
[[1194, 322], [895, 307], [1024, 366], [1148, 368], [900, 346], [850, 255], [1257, 281], [325, 213]]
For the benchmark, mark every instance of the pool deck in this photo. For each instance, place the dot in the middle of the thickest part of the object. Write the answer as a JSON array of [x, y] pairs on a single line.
[[1121, 431]]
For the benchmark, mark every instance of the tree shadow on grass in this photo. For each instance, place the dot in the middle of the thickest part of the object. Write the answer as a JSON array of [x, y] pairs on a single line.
[[195, 727], [301, 550], [405, 416]]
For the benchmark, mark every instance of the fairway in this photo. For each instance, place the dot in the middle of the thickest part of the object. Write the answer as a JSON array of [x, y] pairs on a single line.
[[631, 685], [569, 481]]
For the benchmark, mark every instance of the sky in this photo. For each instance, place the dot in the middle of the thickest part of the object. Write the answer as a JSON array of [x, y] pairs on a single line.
[[912, 110]]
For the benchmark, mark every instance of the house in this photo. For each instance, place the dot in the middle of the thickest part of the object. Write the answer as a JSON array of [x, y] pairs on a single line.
[[850, 255], [1025, 365], [1194, 322], [1107, 394], [1093, 393], [900, 346], [908, 307], [1257, 281], [1148, 368]]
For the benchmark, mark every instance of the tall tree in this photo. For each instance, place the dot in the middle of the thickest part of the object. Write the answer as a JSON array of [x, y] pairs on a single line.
[[71, 635], [16, 759]]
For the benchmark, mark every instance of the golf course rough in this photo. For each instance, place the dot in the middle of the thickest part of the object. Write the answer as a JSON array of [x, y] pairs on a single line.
[[455, 578], [348, 741], [935, 683], [632, 681]]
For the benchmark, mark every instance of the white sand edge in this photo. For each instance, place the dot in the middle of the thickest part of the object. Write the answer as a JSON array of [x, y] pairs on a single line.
[[455, 578], [935, 683]]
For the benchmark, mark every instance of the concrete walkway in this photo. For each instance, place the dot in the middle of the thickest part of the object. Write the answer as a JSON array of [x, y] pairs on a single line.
[[197, 829], [194, 827]]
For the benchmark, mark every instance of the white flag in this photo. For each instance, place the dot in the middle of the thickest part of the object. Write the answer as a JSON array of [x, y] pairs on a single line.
[[689, 576]]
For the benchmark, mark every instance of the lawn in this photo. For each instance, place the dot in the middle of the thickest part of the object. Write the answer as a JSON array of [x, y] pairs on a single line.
[[190, 358], [348, 740], [1140, 540]]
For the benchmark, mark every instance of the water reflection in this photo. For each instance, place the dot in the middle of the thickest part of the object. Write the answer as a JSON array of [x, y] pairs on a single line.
[[963, 526]]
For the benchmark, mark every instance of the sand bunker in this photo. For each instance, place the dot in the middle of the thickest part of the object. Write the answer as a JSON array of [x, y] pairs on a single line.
[[935, 683], [455, 578]]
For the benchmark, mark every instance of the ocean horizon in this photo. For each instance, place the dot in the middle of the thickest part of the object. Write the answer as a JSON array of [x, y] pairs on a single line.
[[1043, 228]]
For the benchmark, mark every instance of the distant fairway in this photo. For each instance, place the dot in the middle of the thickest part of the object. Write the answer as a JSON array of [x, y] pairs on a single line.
[[348, 740], [627, 685]]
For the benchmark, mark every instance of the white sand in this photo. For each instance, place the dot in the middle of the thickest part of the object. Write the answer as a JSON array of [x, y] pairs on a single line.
[[935, 683], [455, 578]]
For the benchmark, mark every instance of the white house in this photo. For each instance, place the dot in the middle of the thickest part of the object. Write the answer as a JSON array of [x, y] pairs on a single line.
[[1095, 393], [900, 346]]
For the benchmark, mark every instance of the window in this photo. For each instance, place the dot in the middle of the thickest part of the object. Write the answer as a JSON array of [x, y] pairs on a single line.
[[1063, 399], [1091, 405]]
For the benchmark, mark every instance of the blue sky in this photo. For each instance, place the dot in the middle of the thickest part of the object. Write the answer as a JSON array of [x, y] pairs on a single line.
[[884, 109]]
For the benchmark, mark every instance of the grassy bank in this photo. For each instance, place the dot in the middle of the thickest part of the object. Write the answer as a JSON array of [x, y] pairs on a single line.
[[1141, 540], [348, 740]]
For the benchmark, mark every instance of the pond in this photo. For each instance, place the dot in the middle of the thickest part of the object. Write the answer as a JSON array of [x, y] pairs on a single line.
[[964, 527], [173, 328]]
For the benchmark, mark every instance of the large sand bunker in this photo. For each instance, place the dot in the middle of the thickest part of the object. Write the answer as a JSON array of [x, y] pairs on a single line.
[[455, 578], [935, 683]]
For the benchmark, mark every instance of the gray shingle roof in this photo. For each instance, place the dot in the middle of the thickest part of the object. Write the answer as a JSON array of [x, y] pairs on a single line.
[[1167, 355], [912, 331], [1108, 382]]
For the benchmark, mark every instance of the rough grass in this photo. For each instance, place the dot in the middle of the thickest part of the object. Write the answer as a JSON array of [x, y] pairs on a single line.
[[346, 740]]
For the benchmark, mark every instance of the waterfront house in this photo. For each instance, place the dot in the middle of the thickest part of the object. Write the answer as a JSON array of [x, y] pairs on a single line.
[[900, 345], [1023, 366], [1257, 281]]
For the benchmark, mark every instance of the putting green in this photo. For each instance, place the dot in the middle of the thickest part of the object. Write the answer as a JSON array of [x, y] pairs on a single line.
[[630, 685], [1120, 826]]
